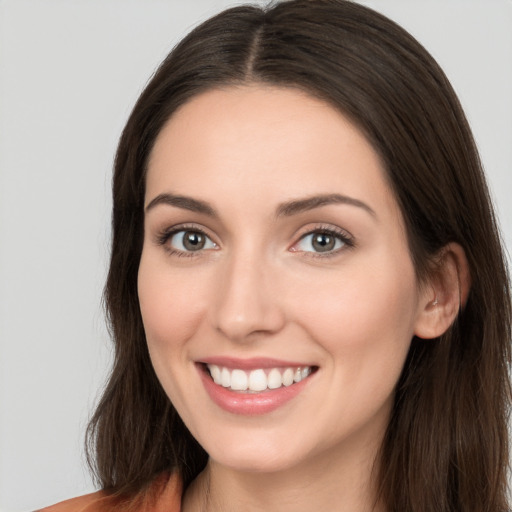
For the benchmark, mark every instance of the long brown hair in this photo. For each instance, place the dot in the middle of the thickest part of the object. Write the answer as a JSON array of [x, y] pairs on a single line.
[[446, 447]]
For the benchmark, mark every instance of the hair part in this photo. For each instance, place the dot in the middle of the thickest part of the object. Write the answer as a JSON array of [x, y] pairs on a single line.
[[446, 447]]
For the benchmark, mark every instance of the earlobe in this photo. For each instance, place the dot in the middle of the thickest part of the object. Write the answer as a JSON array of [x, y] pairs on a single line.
[[445, 294]]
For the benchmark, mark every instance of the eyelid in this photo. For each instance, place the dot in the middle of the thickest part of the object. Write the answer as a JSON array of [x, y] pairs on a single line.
[[341, 234], [164, 235]]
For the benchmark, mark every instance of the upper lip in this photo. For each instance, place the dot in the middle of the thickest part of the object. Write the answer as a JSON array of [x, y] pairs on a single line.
[[252, 363]]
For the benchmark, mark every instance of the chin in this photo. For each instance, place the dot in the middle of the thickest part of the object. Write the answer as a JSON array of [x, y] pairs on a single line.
[[254, 463], [247, 453]]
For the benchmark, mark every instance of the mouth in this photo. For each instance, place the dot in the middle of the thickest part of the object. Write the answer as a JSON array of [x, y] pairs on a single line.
[[258, 380], [254, 386]]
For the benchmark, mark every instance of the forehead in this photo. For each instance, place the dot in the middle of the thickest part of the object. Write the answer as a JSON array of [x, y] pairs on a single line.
[[278, 141]]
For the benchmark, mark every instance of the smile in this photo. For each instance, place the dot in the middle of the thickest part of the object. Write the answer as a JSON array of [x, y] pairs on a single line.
[[253, 386], [257, 380]]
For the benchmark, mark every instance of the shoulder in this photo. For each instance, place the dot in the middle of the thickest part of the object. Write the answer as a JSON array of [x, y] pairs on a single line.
[[95, 502], [163, 494]]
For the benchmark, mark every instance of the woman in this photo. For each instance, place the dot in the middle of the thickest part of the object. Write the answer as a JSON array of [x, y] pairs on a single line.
[[307, 292]]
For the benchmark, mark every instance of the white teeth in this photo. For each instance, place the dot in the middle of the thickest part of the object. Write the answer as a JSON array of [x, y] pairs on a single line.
[[215, 372], [225, 377], [274, 379], [305, 372], [238, 380], [288, 377], [257, 380]]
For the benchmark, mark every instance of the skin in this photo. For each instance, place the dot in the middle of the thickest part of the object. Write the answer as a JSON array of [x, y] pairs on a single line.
[[260, 289]]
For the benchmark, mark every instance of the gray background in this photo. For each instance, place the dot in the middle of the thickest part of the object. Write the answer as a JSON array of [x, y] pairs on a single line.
[[70, 71]]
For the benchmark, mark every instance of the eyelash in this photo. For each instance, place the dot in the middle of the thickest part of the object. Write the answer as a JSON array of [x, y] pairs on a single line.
[[347, 240], [165, 235]]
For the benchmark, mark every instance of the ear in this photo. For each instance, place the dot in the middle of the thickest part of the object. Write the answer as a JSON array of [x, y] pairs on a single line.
[[445, 293]]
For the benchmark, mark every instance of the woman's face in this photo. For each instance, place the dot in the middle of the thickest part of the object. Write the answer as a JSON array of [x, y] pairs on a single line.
[[275, 259]]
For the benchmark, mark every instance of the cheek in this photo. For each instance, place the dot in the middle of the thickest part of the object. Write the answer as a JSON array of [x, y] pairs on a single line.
[[170, 305], [364, 323], [171, 310], [364, 311]]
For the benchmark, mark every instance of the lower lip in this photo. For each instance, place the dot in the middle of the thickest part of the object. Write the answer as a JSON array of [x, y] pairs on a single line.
[[250, 404]]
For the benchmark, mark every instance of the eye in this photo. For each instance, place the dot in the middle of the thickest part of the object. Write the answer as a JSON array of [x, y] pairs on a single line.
[[190, 241], [322, 241]]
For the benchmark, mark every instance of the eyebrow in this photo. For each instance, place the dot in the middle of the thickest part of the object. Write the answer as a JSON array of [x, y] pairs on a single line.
[[286, 209], [184, 202], [302, 205]]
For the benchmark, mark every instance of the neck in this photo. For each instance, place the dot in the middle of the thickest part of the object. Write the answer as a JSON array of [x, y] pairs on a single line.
[[345, 479]]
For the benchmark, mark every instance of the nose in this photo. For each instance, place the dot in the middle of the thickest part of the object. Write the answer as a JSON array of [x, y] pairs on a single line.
[[246, 304]]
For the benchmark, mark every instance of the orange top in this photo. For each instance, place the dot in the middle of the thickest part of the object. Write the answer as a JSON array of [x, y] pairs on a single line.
[[164, 495]]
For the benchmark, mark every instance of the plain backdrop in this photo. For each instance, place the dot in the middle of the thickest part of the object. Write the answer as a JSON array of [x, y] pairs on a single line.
[[70, 71]]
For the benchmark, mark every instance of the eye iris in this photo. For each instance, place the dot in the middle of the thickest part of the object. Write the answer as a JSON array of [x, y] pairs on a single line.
[[193, 241], [323, 242]]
